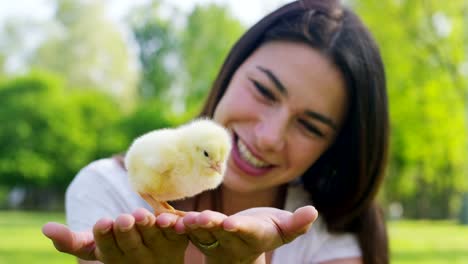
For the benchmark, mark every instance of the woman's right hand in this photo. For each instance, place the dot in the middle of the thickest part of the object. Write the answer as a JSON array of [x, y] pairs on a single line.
[[137, 238]]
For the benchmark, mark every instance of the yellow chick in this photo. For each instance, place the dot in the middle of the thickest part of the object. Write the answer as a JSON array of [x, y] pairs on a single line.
[[172, 164]]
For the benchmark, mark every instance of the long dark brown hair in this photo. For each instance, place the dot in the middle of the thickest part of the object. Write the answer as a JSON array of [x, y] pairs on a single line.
[[344, 181]]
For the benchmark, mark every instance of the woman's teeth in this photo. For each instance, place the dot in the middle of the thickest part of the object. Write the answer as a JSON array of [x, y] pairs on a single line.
[[247, 156]]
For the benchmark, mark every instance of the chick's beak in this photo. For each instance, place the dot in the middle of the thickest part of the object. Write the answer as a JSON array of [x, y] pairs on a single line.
[[216, 166]]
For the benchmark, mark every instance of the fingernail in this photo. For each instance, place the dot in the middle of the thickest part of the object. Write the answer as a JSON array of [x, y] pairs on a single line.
[[230, 229], [106, 230], [209, 225], [144, 221], [165, 224], [125, 228]]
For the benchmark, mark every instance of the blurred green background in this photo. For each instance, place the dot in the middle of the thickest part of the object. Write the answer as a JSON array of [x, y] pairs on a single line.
[[80, 85]]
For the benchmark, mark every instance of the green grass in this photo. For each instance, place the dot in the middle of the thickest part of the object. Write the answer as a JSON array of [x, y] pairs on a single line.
[[427, 242], [21, 239]]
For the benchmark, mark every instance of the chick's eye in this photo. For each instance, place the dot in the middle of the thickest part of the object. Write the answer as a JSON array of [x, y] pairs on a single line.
[[205, 153]]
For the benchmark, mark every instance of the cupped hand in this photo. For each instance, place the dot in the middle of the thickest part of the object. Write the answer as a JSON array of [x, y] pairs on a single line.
[[137, 238], [245, 236]]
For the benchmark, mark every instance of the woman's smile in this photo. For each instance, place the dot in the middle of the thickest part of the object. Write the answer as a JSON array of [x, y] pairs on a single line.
[[246, 161]]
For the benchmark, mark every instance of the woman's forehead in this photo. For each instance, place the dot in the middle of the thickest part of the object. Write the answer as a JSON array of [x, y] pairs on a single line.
[[294, 63], [307, 76]]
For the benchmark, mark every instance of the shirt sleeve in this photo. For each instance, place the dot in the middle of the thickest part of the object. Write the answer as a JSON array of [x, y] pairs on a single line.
[[99, 190]]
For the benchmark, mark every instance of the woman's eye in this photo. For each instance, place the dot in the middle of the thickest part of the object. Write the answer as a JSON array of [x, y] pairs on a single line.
[[263, 90], [311, 128]]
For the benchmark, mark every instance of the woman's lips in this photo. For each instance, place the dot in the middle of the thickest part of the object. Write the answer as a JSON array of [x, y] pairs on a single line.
[[243, 165]]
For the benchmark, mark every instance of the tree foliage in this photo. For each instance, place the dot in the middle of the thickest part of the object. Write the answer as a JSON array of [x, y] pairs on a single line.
[[423, 49], [210, 32], [158, 46], [180, 60], [88, 50], [53, 133]]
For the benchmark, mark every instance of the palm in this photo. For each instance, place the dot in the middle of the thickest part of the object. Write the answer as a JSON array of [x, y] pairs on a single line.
[[247, 234]]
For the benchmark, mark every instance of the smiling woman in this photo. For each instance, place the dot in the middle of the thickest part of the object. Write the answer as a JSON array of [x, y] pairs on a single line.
[[303, 93], [276, 121]]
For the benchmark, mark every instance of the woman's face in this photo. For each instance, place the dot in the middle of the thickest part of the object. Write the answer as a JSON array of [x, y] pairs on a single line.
[[285, 105]]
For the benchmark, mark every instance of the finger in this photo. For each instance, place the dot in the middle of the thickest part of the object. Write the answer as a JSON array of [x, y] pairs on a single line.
[[210, 219], [166, 223], [236, 223], [141, 213], [107, 248], [202, 226], [190, 218], [127, 236], [179, 226], [145, 224], [79, 244]]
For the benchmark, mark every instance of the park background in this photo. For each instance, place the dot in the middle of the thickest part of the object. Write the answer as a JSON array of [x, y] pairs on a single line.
[[80, 79]]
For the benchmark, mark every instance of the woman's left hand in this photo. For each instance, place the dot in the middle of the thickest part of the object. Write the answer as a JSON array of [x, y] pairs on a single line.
[[245, 236]]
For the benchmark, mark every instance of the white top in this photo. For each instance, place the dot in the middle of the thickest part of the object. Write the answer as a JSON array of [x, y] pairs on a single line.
[[102, 189]]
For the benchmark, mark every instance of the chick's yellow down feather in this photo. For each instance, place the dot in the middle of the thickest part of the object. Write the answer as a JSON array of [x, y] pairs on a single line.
[[172, 164]]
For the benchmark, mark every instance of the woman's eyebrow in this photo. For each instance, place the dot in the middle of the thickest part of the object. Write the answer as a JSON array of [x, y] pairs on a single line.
[[322, 119], [281, 88]]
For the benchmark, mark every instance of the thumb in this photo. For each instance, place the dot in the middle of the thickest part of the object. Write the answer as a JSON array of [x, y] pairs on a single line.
[[299, 223]]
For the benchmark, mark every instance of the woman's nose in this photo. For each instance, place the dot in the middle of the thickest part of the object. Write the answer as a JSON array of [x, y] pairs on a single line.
[[271, 133]]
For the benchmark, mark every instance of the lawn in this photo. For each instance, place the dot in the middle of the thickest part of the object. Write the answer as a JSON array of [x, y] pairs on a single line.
[[427, 242], [22, 241]]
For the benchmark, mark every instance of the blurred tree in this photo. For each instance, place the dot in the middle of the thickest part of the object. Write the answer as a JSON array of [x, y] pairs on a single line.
[[16, 42], [9, 39], [2, 66], [464, 70], [209, 34], [88, 50], [149, 115], [158, 45], [424, 53], [171, 54], [53, 133], [101, 116]]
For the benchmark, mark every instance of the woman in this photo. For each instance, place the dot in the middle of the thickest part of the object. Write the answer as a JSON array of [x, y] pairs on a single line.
[[304, 93]]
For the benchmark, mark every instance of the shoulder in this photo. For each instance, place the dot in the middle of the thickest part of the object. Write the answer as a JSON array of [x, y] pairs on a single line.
[[99, 172], [103, 166], [104, 178]]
